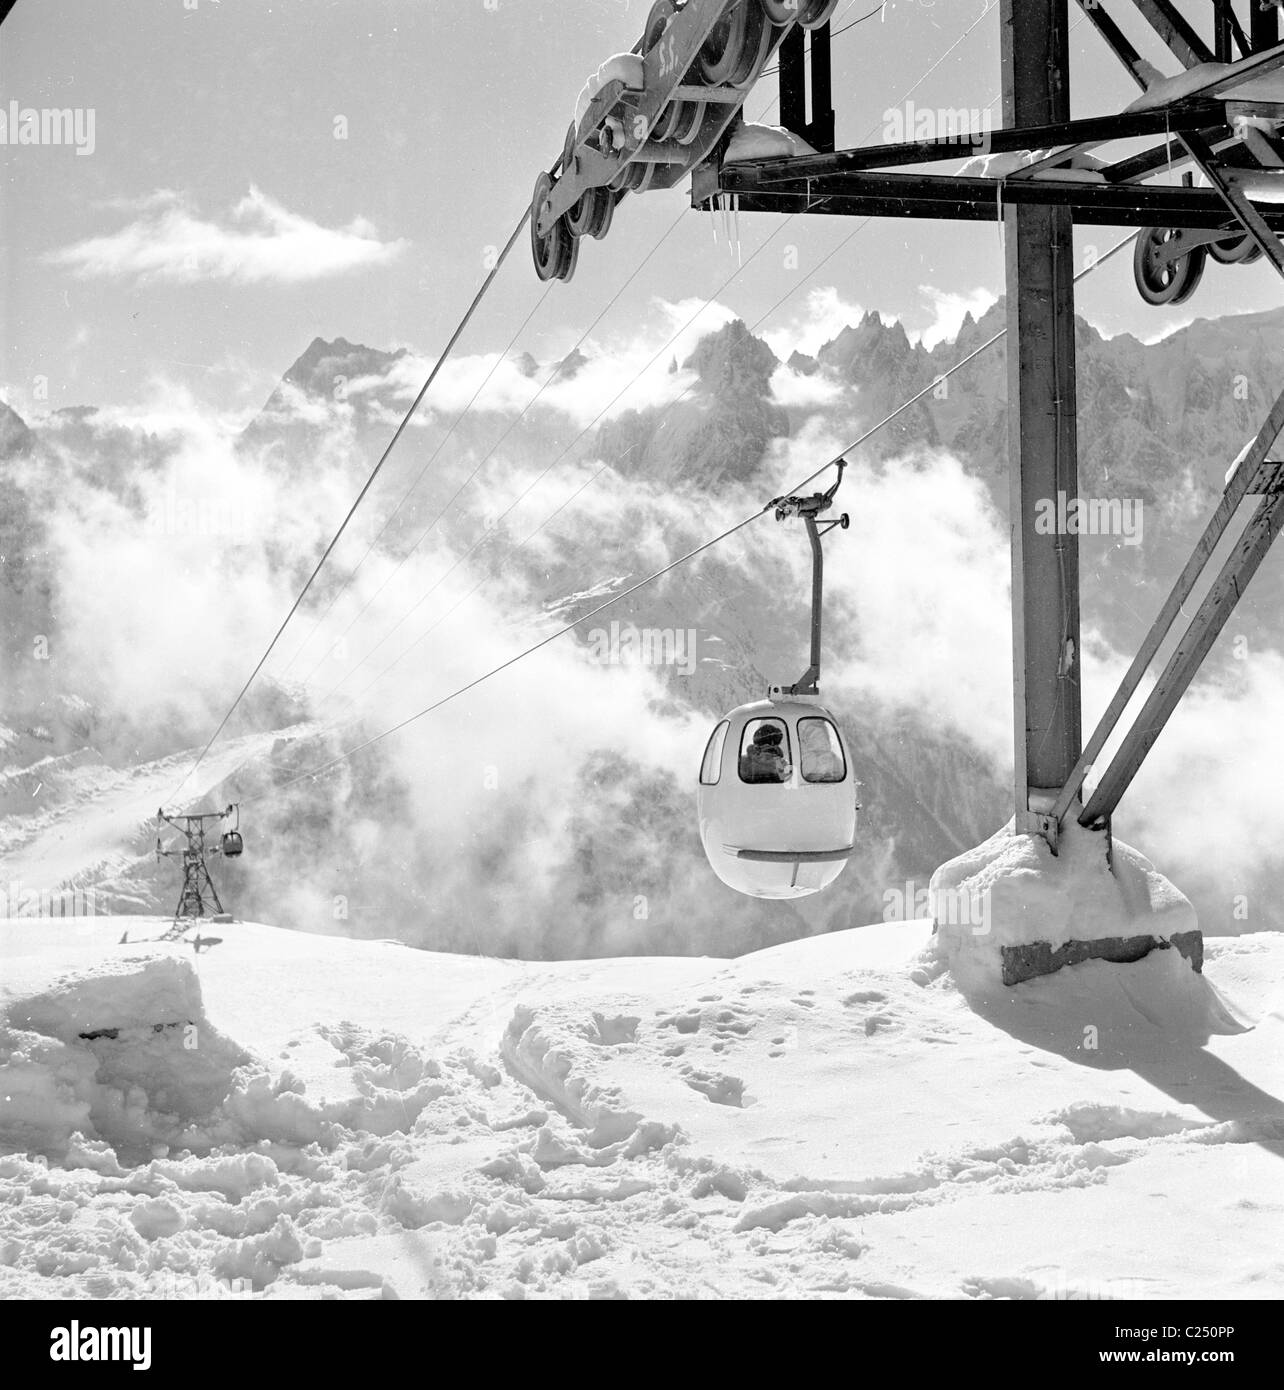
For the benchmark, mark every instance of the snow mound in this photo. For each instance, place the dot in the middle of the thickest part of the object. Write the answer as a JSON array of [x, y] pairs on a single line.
[[1081, 167], [1261, 185], [118, 1047], [1267, 86], [627, 68], [753, 141], [1161, 90], [1012, 891]]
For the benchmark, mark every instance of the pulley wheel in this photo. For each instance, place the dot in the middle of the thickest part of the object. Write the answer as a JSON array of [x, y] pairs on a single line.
[[693, 114], [555, 252], [669, 119], [642, 180], [736, 48], [661, 12], [631, 177], [782, 12], [591, 214], [1159, 279], [818, 12], [1236, 250], [680, 122], [811, 14]]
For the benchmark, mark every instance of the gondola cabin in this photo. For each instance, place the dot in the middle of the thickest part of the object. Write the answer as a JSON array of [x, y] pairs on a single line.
[[232, 844], [777, 798]]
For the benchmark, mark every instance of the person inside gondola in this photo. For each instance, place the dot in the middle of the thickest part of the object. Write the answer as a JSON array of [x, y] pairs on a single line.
[[764, 759]]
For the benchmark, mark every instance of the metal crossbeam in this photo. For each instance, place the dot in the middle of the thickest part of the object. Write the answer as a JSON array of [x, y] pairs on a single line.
[[1235, 199], [762, 186], [802, 55], [1252, 476], [957, 144], [1172, 27], [1227, 30], [1236, 573]]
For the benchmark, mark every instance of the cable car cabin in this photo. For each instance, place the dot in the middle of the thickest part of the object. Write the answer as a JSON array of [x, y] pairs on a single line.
[[232, 844], [777, 798]]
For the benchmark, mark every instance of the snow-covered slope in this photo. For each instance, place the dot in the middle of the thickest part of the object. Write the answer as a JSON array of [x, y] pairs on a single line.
[[830, 1118]]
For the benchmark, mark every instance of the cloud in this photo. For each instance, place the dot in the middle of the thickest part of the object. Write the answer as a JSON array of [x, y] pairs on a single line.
[[795, 388], [206, 542], [950, 309], [1172, 326], [824, 316], [258, 242], [1205, 803], [201, 537], [919, 590], [628, 371]]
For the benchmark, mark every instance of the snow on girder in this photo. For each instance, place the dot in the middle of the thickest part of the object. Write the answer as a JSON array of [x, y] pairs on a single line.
[[647, 118]]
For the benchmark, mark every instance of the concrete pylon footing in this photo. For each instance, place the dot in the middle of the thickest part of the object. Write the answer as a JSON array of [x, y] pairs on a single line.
[[1010, 910]]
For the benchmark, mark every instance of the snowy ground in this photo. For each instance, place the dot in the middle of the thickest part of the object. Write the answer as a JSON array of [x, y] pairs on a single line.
[[75, 822], [295, 1116]]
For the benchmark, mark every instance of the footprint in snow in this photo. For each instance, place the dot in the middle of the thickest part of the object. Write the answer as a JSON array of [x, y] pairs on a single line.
[[720, 1089], [684, 1023], [611, 1032]]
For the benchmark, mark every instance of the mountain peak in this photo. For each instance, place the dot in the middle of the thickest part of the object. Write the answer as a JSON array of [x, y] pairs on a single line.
[[316, 371], [732, 359], [15, 437]]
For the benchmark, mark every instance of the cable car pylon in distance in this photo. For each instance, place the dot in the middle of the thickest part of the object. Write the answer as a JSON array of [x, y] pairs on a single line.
[[198, 892], [777, 793]]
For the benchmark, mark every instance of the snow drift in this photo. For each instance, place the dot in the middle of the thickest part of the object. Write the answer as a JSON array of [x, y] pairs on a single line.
[[828, 1118]]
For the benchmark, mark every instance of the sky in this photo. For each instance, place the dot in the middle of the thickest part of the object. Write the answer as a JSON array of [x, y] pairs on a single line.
[[266, 171]]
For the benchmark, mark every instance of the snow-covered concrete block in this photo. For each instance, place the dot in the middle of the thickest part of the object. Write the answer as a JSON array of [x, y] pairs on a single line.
[[1010, 909]]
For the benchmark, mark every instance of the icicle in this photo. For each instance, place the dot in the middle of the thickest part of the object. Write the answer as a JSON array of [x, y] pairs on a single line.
[[735, 213], [1002, 244]]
